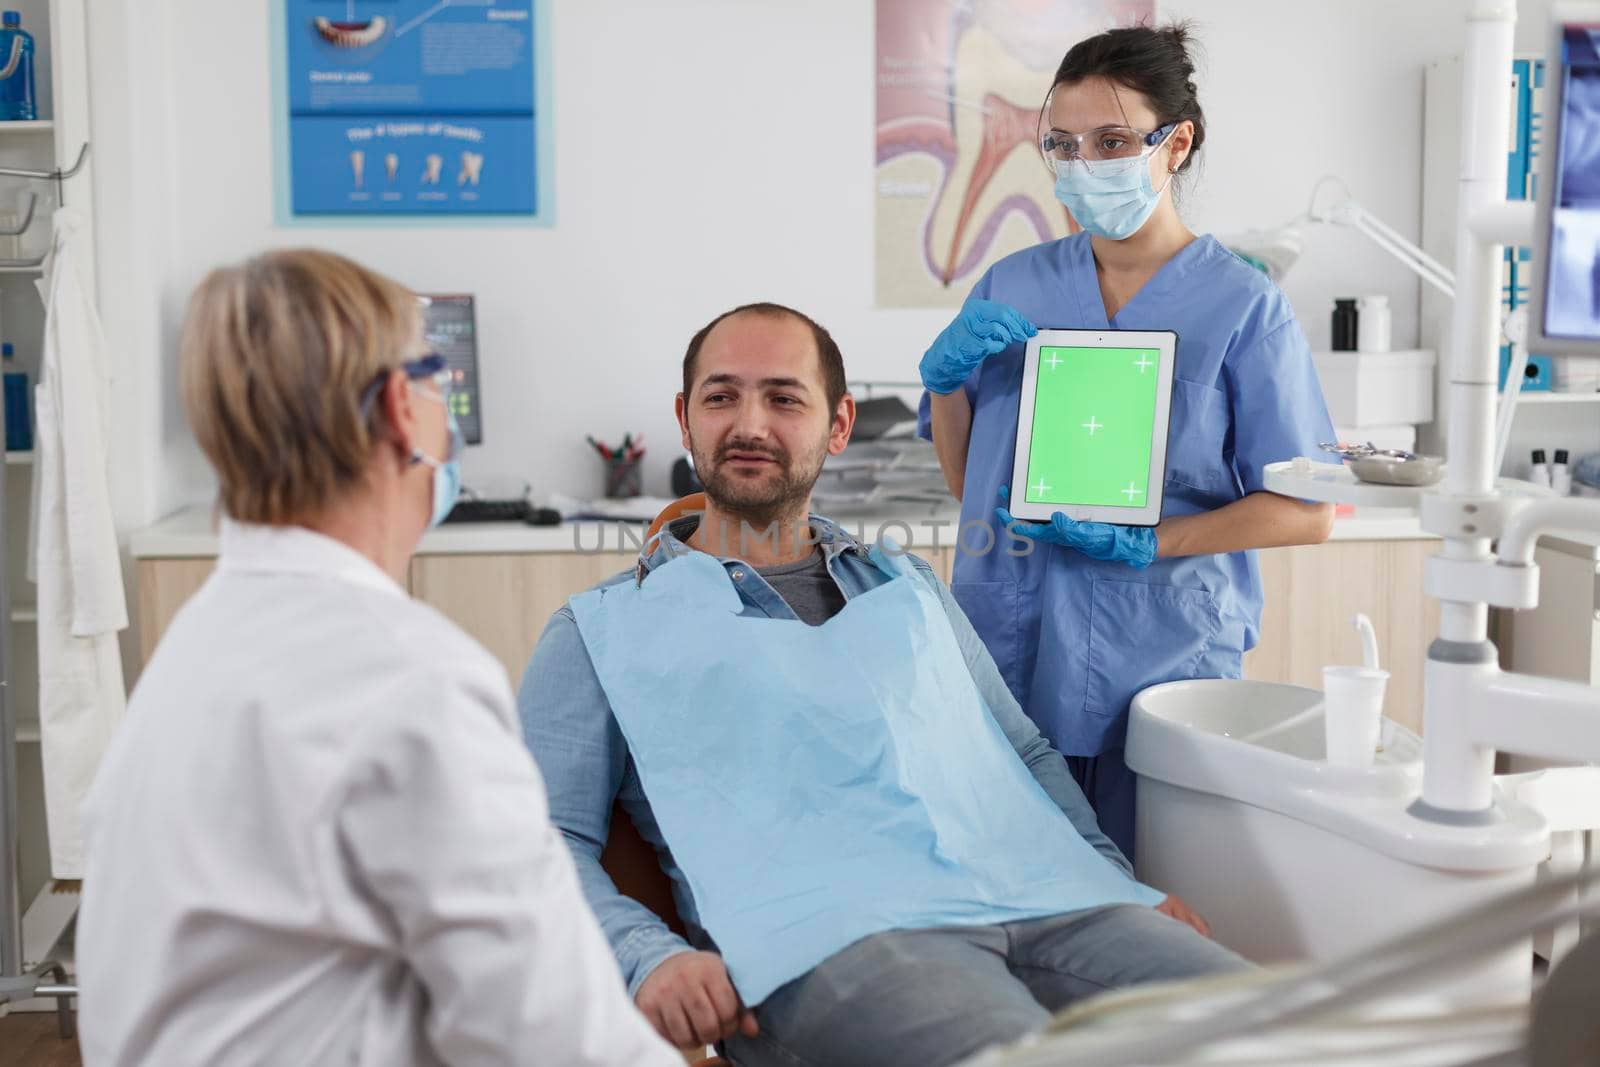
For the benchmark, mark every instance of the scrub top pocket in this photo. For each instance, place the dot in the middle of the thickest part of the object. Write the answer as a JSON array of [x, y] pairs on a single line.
[[1141, 635], [994, 611], [1196, 442]]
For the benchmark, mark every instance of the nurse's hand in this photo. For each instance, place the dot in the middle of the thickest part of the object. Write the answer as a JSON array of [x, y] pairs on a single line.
[[982, 329], [1133, 545], [690, 1000], [1175, 908]]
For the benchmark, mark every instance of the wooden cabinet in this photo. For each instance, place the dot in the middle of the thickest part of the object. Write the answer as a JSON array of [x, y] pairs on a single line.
[[1311, 593], [164, 586], [504, 601]]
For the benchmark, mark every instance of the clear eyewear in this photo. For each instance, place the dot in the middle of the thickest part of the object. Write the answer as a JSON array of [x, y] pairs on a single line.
[[431, 369], [1108, 142]]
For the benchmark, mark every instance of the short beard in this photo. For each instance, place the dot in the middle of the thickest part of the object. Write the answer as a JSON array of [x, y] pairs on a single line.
[[764, 505]]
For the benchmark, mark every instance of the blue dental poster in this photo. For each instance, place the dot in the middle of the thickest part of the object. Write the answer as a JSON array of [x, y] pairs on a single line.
[[412, 107]]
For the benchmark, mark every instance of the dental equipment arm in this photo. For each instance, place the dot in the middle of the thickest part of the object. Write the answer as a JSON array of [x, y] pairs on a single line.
[[1195, 1017], [1546, 515], [1471, 707]]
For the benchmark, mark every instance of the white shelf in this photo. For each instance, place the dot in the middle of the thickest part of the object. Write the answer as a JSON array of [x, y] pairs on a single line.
[[22, 271], [19, 459], [1334, 483], [25, 613], [28, 731], [1558, 398], [30, 126]]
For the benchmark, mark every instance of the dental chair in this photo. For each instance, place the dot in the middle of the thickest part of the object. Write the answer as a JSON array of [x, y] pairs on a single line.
[[628, 858]]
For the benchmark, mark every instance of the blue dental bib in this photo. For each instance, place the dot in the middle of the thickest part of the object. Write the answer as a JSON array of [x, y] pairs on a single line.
[[820, 784]]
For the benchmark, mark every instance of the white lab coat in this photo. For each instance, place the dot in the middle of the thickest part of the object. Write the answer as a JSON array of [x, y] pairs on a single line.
[[73, 543], [318, 839]]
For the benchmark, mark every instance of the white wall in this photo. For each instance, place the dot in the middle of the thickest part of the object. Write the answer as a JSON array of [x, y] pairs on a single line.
[[745, 173]]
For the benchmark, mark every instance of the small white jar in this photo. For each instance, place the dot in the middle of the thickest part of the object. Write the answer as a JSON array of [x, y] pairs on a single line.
[[1372, 324]]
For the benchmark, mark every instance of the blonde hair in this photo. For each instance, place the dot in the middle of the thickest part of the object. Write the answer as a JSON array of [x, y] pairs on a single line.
[[275, 356]]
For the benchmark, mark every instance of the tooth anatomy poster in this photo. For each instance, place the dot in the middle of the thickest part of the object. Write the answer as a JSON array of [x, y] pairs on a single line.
[[412, 107], [959, 179]]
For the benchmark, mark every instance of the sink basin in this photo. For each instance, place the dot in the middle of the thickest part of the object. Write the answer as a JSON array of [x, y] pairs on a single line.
[[1290, 857], [1237, 719]]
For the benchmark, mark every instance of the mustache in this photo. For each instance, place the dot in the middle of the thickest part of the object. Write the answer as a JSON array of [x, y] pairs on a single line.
[[729, 447]]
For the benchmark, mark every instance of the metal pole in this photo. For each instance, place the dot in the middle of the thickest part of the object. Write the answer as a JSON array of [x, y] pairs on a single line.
[[10, 906]]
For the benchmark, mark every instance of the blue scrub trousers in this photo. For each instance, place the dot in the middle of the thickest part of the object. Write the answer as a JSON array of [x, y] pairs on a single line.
[[1109, 786]]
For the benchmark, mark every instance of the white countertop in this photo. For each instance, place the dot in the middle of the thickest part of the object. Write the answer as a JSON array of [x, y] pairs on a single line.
[[191, 533]]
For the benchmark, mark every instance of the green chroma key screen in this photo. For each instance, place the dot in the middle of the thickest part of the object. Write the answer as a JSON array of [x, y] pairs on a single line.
[[1094, 413]]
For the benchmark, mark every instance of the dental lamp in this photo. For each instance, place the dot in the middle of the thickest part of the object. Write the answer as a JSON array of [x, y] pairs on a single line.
[[1276, 250]]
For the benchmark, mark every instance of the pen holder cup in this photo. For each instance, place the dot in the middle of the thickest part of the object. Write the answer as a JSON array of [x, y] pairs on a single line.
[[622, 478]]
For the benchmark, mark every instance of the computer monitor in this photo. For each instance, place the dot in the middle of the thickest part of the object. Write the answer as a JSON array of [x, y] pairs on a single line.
[[450, 329], [1566, 312]]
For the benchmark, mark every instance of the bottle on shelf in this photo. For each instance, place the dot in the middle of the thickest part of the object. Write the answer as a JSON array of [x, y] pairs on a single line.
[[19, 407], [1540, 474], [1372, 324], [1344, 325], [1561, 474], [16, 70]]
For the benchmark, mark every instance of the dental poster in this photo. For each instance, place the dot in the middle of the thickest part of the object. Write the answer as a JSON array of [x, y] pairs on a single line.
[[411, 107], [959, 180]]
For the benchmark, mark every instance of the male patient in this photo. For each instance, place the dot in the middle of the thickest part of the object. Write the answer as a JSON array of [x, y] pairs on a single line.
[[878, 857]]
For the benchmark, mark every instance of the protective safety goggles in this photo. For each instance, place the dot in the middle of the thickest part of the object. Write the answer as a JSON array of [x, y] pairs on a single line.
[[1108, 142], [430, 369]]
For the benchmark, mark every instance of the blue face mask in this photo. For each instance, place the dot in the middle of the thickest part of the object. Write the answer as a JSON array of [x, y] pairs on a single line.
[[1110, 198], [446, 474]]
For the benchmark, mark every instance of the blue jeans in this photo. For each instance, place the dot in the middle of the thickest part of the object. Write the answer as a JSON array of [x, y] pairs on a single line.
[[922, 998]]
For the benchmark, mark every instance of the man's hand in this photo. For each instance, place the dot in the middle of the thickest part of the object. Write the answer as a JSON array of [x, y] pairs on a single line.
[[1174, 907], [690, 1001]]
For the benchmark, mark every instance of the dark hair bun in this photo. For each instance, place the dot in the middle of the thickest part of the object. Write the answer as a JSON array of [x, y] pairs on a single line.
[[1154, 62]]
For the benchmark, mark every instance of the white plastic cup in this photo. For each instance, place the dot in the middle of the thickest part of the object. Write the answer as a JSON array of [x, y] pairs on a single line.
[[1353, 714]]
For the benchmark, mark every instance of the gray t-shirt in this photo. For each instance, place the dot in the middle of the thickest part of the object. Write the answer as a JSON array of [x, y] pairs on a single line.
[[807, 588]]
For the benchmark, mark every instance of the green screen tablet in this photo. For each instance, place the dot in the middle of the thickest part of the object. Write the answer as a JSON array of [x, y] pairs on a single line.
[[1092, 428]]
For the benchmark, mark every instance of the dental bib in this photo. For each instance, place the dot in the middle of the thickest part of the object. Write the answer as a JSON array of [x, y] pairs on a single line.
[[817, 785]]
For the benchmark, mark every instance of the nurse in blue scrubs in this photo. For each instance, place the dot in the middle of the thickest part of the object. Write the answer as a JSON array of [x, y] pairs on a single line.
[[1094, 613]]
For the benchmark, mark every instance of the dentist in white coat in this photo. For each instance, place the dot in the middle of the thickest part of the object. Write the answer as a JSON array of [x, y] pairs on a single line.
[[317, 838]]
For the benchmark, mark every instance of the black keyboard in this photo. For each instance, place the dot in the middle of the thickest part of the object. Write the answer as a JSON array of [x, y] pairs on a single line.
[[490, 511]]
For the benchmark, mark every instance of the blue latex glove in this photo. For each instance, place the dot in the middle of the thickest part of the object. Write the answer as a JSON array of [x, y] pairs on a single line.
[[1133, 545], [982, 329]]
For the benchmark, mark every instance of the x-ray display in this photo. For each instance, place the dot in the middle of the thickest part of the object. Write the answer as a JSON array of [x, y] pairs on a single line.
[[1572, 284]]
